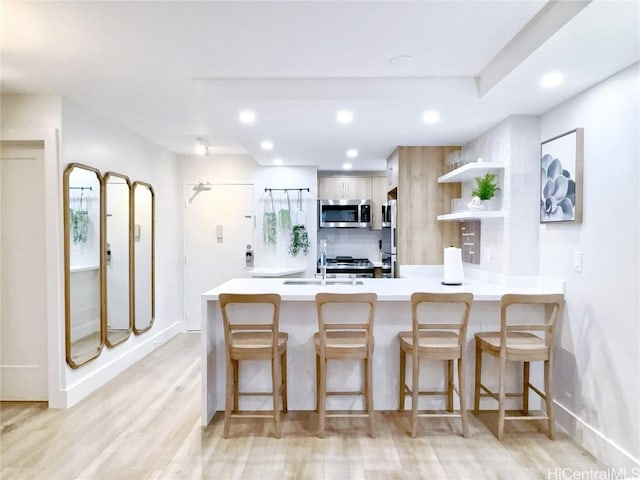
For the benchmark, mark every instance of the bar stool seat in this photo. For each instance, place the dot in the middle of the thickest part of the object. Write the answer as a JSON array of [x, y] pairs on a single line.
[[524, 344], [256, 345], [447, 343], [253, 336], [344, 344]]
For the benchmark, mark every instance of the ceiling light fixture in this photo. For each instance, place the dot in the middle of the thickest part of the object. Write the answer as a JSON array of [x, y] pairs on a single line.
[[247, 117], [401, 60], [352, 153], [277, 161], [266, 145], [347, 166], [431, 116], [344, 117], [202, 147], [552, 79]]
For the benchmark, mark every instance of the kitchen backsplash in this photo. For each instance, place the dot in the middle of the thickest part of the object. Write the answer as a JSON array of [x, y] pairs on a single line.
[[354, 242]]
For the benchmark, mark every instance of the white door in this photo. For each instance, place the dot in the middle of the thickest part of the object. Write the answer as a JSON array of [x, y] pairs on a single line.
[[218, 225], [23, 326]]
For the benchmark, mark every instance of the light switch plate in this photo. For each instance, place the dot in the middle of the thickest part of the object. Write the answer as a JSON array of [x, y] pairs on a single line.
[[577, 262]]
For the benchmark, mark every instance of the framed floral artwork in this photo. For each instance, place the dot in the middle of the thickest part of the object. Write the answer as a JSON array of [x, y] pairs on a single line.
[[561, 161]]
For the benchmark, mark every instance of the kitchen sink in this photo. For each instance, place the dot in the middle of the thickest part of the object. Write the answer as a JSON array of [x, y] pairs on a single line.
[[319, 282]]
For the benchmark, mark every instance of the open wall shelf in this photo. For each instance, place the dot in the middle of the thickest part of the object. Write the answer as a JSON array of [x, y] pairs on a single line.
[[468, 215], [470, 171]]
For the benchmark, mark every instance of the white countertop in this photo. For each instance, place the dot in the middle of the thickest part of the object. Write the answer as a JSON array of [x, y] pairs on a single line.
[[275, 271], [387, 289]]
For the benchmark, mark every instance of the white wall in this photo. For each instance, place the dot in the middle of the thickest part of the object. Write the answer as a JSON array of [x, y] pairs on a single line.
[[243, 169], [89, 139], [509, 245], [597, 383]]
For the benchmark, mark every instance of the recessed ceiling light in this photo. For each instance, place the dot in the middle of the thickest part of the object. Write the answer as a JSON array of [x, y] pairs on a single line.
[[344, 117], [352, 153], [431, 116], [552, 79], [202, 147], [266, 145], [347, 166], [277, 161], [247, 116], [401, 60]]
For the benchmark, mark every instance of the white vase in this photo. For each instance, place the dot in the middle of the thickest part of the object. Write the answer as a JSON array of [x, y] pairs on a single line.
[[476, 205], [491, 204]]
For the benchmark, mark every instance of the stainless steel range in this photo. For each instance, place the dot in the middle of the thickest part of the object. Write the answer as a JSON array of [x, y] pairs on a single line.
[[348, 265]]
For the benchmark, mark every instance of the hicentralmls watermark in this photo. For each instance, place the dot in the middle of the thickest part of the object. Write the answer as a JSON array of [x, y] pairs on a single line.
[[559, 473]]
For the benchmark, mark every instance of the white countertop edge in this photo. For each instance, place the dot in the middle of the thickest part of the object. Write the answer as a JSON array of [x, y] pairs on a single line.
[[275, 271], [387, 289]]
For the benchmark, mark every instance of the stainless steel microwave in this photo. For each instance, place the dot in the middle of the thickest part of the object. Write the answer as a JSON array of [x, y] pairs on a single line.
[[341, 213]]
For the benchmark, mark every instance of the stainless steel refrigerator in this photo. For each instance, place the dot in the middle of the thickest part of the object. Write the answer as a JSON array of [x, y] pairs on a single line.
[[390, 237]]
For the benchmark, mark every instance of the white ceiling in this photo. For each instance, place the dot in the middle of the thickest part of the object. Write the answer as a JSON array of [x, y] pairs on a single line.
[[177, 71]]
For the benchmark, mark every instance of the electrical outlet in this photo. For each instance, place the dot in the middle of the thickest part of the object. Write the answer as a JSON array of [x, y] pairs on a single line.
[[577, 262]]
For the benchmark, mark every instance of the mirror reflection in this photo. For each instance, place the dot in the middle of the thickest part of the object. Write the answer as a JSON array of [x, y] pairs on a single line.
[[82, 242], [117, 256], [143, 254]]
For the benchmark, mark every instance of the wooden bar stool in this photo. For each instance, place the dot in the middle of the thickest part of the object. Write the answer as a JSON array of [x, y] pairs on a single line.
[[250, 339], [515, 343], [340, 339], [436, 341]]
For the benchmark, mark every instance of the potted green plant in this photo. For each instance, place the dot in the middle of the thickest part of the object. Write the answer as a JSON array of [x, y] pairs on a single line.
[[486, 188]]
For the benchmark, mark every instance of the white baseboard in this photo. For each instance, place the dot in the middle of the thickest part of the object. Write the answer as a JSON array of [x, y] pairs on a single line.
[[594, 441], [113, 368]]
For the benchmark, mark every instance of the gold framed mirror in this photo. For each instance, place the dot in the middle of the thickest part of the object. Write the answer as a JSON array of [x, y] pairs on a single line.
[[118, 265], [83, 244], [143, 207]]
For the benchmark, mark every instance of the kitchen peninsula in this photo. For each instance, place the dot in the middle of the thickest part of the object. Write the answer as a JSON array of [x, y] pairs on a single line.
[[298, 318]]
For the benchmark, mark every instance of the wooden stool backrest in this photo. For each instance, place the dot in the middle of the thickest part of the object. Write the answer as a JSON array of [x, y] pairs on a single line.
[[419, 298], [253, 325], [324, 299], [553, 310]]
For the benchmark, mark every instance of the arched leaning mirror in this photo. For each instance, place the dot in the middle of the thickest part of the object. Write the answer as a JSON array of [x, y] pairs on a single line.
[[117, 271], [82, 197], [143, 257]]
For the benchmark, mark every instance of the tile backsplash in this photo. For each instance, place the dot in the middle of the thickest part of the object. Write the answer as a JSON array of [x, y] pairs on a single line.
[[354, 242]]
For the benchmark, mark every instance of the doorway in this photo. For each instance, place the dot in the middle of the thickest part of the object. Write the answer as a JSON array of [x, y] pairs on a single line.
[[23, 325], [219, 224]]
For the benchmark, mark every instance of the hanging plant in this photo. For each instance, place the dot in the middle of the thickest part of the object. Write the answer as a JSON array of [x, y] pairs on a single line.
[[284, 214], [269, 222], [299, 241], [284, 219], [269, 227], [299, 235]]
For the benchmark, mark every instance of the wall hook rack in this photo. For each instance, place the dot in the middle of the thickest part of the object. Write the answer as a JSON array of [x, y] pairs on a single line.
[[286, 189]]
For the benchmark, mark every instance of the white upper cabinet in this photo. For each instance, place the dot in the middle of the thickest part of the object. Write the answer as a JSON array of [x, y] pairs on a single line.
[[351, 188]]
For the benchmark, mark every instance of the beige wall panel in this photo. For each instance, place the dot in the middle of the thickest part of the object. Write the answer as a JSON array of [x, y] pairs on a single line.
[[421, 238]]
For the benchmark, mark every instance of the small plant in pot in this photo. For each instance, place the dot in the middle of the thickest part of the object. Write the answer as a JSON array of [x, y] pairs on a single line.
[[486, 188]]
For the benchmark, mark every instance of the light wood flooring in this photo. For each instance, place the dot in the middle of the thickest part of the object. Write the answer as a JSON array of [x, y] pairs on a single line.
[[145, 424]]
